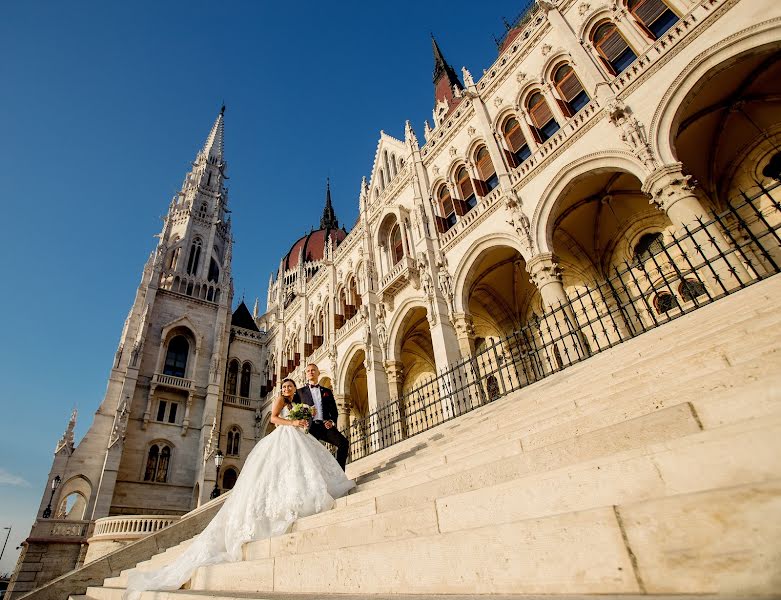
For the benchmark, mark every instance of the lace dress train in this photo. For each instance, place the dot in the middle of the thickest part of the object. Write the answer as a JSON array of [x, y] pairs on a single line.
[[287, 475]]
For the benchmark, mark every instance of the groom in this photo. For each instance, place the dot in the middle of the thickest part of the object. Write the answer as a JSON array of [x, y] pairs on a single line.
[[324, 425]]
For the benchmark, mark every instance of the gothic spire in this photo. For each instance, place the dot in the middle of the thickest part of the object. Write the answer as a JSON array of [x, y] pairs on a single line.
[[329, 220], [67, 438], [214, 147], [446, 84], [442, 68]]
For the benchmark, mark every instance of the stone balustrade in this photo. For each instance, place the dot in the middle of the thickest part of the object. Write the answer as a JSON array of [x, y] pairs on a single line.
[[60, 528], [398, 277], [239, 401], [130, 527], [179, 383]]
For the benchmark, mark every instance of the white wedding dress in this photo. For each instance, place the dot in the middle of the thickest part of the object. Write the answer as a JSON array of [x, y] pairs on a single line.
[[287, 475]]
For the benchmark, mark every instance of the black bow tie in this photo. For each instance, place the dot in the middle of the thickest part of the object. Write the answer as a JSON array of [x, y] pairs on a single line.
[[313, 385]]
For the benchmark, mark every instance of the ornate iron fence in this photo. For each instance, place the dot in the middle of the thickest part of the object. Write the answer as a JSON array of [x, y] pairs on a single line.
[[711, 259]]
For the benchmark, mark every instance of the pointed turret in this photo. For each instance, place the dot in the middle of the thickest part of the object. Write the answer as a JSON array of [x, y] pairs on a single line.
[[328, 220], [214, 147], [446, 84], [67, 438]]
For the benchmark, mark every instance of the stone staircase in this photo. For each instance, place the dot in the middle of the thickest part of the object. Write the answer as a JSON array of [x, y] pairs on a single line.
[[650, 469]]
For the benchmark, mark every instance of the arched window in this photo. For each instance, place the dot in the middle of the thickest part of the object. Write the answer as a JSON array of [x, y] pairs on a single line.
[[246, 375], [229, 478], [397, 247], [541, 116], [570, 89], [214, 270], [654, 16], [173, 259], [232, 379], [195, 257], [691, 289], [518, 148], [176, 356], [664, 302], [612, 48], [446, 208], [158, 459], [486, 170], [354, 293], [234, 439], [204, 206], [648, 245], [465, 189]]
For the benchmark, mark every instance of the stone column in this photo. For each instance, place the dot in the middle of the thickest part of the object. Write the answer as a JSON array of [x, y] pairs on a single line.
[[394, 369], [343, 407], [465, 332], [561, 338], [670, 189]]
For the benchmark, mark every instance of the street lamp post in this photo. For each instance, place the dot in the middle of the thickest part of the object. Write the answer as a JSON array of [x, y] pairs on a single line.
[[47, 512], [217, 463], [7, 535]]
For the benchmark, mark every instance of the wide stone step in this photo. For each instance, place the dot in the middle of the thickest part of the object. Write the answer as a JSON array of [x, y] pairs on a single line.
[[614, 410], [200, 595], [735, 533], [698, 462], [643, 374]]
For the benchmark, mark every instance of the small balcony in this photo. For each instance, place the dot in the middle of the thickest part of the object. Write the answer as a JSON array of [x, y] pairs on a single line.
[[239, 401], [112, 533], [400, 275], [171, 381]]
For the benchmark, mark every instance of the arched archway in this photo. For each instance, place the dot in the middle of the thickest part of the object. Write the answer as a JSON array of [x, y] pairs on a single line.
[[601, 223], [728, 126]]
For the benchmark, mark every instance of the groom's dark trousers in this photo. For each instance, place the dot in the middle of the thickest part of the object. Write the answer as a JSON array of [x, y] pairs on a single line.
[[318, 430]]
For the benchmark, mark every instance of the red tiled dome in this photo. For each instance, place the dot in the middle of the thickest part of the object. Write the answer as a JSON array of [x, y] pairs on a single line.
[[313, 245]]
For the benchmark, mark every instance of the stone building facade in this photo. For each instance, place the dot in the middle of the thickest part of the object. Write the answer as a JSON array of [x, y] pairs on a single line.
[[603, 128]]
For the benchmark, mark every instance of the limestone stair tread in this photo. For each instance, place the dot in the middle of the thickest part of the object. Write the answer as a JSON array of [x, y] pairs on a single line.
[[428, 476], [572, 386], [422, 520], [585, 549], [201, 595], [503, 446]]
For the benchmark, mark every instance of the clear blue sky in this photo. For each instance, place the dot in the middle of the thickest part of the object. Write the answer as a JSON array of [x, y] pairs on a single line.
[[103, 105]]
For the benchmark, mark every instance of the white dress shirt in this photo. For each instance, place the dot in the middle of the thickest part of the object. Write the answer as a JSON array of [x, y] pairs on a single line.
[[318, 400]]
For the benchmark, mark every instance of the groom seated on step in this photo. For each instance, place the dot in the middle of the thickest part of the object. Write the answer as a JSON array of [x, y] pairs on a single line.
[[324, 425]]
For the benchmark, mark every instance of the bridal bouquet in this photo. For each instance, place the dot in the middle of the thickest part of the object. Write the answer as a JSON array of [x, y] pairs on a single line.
[[301, 411]]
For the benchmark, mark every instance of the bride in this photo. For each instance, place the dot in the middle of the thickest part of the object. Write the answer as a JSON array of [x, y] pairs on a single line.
[[287, 475]]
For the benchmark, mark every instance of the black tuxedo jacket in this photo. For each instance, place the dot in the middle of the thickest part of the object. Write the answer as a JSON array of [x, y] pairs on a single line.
[[329, 404]]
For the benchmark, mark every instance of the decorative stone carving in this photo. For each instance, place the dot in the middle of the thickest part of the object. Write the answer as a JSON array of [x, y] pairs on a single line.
[[209, 447], [471, 131], [445, 282], [632, 132], [667, 185], [332, 355], [543, 269], [546, 48], [520, 222], [120, 424], [583, 8], [467, 77], [409, 134], [214, 368], [520, 77], [118, 355], [498, 102], [452, 151]]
